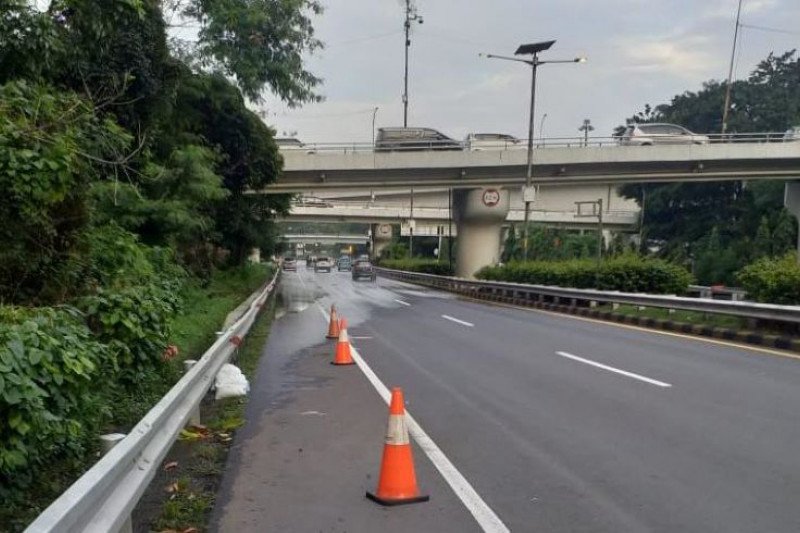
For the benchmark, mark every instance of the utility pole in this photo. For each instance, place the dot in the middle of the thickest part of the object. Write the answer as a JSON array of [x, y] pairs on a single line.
[[411, 16], [726, 109]]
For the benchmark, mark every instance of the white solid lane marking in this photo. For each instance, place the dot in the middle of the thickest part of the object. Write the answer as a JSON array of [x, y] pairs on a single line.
[[402, 302], [487, 519], [457, 321], [615, 370]]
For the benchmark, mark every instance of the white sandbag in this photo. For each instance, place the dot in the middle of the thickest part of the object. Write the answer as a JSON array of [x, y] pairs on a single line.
[[230, 382]]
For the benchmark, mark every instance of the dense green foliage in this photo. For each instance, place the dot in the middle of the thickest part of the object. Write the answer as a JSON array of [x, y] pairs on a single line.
[[125, 161], [50, 365], [772, 280], [427, 266], [550, 244], [627, 273], [716, 228]]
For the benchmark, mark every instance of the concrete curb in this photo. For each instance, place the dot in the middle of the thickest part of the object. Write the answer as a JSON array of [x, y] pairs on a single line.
[[734, 335]]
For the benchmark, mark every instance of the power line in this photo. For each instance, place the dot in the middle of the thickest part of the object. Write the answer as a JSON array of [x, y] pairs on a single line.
[[769, 29]]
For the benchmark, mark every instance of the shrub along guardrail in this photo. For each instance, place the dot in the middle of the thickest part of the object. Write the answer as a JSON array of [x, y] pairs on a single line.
[[629, 274], [104, 497], [428, 266], [584, 302]]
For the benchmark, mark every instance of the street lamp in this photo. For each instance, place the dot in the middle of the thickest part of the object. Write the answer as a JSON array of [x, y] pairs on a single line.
[[374, 114], [533, 49]]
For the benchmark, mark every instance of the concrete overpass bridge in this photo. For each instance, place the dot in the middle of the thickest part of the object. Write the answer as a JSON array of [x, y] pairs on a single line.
[[484, 188], [310, 238]]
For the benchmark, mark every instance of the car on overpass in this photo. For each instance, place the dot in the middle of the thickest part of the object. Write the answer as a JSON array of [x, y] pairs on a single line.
[[405, 139], [491, 141], [792, 134], [363, 269], [656, 133]]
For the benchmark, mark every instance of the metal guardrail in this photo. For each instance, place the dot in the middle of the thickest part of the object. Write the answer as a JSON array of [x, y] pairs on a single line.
[[589, 297], [521, 144], [103, 498]]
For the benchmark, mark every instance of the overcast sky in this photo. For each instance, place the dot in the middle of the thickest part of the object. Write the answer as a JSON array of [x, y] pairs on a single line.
[[639, 51]]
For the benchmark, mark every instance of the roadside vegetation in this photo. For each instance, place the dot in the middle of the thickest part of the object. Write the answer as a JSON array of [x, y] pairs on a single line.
[[627, 273], [125, 159]]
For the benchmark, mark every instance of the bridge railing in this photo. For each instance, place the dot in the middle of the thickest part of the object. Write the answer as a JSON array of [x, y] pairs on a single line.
[[104, 497], [523, 293], [520, 144]]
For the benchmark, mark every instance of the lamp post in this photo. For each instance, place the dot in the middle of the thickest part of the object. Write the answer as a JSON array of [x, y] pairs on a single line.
[[529, 193], [374, 114], [541, 129]]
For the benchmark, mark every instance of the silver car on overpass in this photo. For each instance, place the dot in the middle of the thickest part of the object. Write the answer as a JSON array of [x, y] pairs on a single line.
[[651, 134]]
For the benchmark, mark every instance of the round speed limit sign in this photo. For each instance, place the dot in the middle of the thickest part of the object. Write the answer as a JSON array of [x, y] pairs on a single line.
[[491, 197]]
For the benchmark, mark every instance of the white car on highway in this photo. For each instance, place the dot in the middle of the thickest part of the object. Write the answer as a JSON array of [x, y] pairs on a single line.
[[792, 134], [323, 264], [651, 134]]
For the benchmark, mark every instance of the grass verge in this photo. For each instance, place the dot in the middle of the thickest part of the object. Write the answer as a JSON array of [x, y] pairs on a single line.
[[182, 496], [205, 306]]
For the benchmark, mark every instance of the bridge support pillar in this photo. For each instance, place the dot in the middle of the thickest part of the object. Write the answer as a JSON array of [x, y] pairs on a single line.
[[479, 216], [791, 200], [381, 238]]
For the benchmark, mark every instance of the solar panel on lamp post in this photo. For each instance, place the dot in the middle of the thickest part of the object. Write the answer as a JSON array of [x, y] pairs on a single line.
[[532, 49]]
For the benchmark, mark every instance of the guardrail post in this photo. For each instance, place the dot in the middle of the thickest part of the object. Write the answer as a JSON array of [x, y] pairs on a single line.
[[194, 418], [107, 442], [592, 303]]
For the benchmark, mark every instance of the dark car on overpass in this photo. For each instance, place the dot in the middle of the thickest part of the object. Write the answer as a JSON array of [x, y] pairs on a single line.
[[404, 139]]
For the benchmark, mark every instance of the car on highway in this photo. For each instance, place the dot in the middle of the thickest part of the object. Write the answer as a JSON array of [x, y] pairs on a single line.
[[343, 263], [363, 269], [290, 264], [414, 139], [491, 141], [792, 134], [652, 134], [323, 264]]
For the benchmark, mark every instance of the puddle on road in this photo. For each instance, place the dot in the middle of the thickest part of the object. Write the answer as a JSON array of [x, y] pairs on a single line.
[[296, 295]]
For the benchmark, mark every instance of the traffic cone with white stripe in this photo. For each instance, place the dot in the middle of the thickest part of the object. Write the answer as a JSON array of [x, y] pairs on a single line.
[[342, 355], [397, 484], [333, 327]]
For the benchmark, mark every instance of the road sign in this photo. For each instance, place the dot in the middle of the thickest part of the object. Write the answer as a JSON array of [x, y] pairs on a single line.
[[491, 197]]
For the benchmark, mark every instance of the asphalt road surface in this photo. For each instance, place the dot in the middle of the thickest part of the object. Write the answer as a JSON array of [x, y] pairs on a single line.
[[558, 424]]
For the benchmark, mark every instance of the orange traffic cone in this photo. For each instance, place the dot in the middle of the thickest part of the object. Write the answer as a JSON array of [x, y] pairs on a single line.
[[397, 484], [333, 327], [343, 356]]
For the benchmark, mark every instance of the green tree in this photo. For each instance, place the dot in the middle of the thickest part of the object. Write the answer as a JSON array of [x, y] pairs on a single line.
[[680, 217], [259, 43]]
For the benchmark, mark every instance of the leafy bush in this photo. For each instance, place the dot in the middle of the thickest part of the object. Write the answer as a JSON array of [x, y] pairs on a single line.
[[50, 405], [627, 273], [773, 280], [427, 266], [134, 322]]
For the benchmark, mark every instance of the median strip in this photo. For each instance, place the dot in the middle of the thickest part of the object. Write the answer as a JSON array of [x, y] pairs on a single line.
[[615, 370]]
